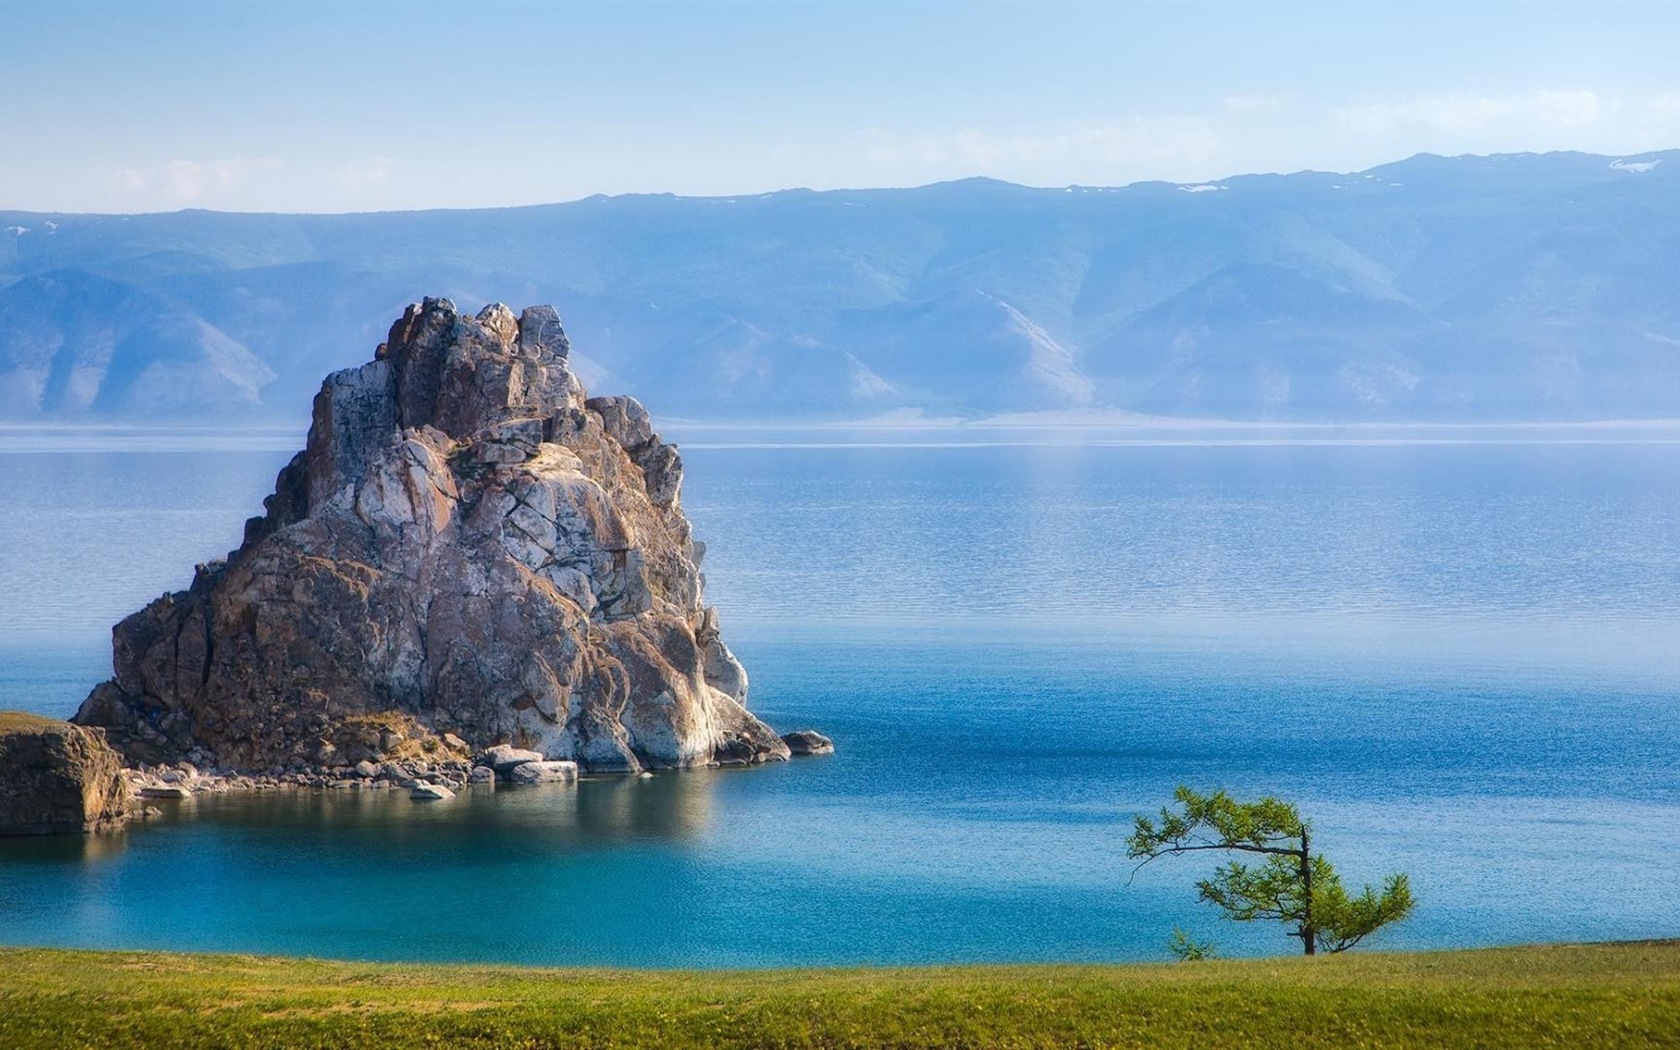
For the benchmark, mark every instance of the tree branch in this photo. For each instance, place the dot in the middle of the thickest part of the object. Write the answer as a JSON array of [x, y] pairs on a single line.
[[1173, 851]]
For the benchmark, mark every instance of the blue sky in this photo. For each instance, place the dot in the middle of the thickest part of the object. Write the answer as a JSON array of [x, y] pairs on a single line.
[[328, 107]]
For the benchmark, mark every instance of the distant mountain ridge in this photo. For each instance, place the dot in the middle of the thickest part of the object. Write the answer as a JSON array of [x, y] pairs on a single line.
[[1506, 288]]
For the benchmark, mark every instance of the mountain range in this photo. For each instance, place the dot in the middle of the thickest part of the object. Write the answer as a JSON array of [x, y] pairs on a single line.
[[1515, 287]]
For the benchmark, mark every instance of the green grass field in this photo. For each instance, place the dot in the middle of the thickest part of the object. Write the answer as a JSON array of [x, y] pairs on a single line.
[[1619, 995]]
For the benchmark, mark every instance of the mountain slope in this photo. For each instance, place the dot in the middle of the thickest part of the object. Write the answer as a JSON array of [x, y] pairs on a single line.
[[1513, 287], [72, 343]]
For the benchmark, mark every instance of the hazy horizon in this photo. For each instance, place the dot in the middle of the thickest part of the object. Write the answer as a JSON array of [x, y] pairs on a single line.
[[1632, 158], [316, 108]]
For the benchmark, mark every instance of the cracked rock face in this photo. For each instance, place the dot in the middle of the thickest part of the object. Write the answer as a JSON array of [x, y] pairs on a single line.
[[56, 778], [468, 545]]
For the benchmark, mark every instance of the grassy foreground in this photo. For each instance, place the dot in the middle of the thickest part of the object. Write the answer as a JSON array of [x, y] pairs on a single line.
[[1620, 995]]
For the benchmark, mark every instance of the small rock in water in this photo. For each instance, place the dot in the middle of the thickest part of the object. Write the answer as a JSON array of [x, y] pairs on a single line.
[[808, 742], [543, 772], [164, 791], [481, 775], [430, 793]]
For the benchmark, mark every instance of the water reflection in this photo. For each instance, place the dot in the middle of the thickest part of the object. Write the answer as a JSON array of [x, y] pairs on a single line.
[[71, 849], [552, 818], [610, 808], [373, 872]]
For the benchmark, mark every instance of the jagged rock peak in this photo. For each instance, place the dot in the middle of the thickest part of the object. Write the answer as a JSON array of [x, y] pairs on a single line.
[[468, 544]]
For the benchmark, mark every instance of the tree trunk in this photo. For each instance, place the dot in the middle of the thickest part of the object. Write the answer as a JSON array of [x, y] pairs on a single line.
[[1309, 931]]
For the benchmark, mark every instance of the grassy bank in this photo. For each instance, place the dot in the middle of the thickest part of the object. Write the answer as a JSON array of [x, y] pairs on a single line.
[[1622, 995]]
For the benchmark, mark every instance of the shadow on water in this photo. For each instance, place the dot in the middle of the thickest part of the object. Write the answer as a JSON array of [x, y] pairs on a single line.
[[555, 818], [64, 849]]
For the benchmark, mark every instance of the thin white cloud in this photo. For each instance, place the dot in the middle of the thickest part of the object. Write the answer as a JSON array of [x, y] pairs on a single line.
[[1245, 104], [1144, 144], [1236, 134], [1664, 108], [1465, 113], [188, 181], [367, 174]]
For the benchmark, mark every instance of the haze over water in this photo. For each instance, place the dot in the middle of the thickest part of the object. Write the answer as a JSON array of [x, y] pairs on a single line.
[[1460, 658]]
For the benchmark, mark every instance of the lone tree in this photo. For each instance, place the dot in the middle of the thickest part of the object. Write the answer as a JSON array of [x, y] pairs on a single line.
[[1292, 884]]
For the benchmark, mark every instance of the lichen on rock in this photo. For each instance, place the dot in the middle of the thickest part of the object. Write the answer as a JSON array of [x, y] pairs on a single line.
[[468, 545]]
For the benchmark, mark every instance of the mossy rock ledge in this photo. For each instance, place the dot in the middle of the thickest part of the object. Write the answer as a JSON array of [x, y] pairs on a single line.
[[58, 778], [469, 549]]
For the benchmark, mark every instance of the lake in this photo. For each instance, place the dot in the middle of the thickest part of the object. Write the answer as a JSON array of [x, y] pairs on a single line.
[[1460, 656]]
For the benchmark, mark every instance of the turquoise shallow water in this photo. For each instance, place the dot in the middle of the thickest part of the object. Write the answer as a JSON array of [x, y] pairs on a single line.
[[1460, 659]]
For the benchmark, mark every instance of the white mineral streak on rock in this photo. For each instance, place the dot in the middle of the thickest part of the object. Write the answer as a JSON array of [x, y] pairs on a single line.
[[466, 546]]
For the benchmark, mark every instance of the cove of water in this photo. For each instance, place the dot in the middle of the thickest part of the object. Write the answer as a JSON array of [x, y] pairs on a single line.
[[1461, 659]]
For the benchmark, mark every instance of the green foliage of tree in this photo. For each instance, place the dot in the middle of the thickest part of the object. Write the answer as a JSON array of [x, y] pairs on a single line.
[[1187, 949], [1289, 884]]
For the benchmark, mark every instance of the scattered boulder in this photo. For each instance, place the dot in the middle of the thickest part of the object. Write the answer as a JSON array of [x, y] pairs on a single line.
[[424, 792], [58, 778], [808, 742], [543, 772], [481, 775], [504, 757], [174, 791]]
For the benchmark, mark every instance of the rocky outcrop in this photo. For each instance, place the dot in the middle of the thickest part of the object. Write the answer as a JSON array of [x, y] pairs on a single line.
[[56, 777], [468, 552]]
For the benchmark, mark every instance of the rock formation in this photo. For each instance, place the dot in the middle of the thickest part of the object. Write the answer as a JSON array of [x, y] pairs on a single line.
[[808, 742], [57, 777], [468, 552]]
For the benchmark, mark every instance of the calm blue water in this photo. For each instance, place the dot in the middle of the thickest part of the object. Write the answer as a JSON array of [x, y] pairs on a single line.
[[1463, 660]]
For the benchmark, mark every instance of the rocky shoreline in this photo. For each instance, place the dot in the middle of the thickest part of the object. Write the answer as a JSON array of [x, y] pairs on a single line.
[[500, 765], [57, 777], [185, 780]]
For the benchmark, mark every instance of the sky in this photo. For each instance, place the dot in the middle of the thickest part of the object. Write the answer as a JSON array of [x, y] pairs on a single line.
[[130, 107]]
